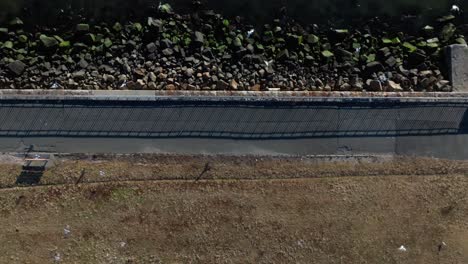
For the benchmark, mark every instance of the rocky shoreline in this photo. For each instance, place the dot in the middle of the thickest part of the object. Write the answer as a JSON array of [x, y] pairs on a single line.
[[205, 51]]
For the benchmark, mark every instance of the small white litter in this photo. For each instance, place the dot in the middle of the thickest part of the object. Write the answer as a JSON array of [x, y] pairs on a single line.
[[57, 257], [402, 249], [123, 244], [442, 246], [383, 78], [268, 63], [300, 243], [67, 231], [250, 32], [455, 8], [102, 173], [55, 86]]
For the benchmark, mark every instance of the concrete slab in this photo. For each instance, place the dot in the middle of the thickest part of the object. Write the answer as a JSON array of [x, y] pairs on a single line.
[[457, 56]]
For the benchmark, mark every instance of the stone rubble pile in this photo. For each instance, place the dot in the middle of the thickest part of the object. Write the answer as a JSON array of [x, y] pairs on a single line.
[[205, 51]]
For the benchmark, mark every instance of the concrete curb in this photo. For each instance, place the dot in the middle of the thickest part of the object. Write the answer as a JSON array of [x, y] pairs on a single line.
[[264, 94]]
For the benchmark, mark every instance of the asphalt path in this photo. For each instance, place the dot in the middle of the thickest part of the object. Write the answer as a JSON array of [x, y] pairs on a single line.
[[233, 126]]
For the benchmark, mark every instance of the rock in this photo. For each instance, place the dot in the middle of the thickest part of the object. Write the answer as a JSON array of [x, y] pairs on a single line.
[[385, 52], [16, 22], [126, 68], [234, 85], [345, 87], [139, 72], [155, 23], [107, 69], [82, 27], [358, 86], [166, 43], [425, 74], [222, 86], [416, 58], [189, 72], [108, 78], [117, 27], [17, 67], [168, 52], [152, 86], [447, 32], [83, 64], [261, 72], [356, 82], [413, 72], [442, 84], [339, 82], [122, 78], [141, 84], [427, 83], [199, 37], [250, 48], [152, 77], [391, 61], [151, 47], [284, 54], [403, 71], [170, 87], [162, 76], [256, 87], [344, 54], [319, 83], [374, 67], [48, 42], [237, 42], [108, 43], [206, 75], [71, 84], [374, 85], [79, 75], [190, 59], [130, 85], [394, 86]]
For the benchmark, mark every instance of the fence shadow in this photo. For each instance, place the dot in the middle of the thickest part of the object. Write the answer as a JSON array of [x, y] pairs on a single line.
[[32, 170], [252, 120], [30, 177]]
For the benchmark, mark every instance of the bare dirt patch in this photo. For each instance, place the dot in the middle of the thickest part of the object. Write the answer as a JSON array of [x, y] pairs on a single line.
[[311, 213]]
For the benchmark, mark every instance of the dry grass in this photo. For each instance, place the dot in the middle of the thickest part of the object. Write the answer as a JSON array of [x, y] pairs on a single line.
[[67, 170], [357, 219]]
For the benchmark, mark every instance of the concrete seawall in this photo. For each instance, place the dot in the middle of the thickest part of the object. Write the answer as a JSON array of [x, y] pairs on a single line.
[[421, 126]]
